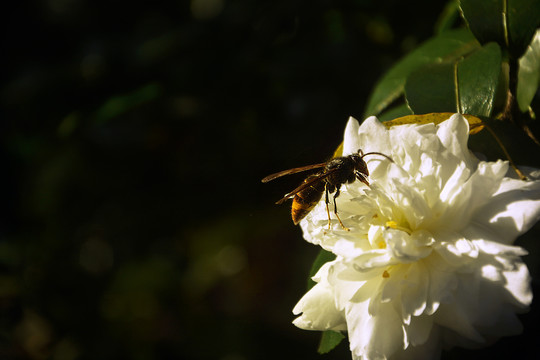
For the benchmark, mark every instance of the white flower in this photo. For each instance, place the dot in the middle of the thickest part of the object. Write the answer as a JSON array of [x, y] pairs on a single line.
[[428, 261]]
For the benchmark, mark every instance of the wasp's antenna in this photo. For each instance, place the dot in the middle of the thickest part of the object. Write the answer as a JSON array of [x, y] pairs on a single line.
[[374, 153]]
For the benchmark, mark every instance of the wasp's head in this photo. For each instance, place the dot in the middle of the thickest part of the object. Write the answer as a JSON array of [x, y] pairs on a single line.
[[359, 163]]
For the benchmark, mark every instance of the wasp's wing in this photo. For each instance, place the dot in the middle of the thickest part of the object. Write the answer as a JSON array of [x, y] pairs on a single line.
[[304, 185], [292, 171]]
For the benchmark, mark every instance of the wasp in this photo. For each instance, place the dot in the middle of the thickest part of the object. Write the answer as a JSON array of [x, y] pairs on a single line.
[[335, 172]]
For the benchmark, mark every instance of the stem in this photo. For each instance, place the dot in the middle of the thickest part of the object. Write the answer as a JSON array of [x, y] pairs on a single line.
[[512, 164], [511, 110]]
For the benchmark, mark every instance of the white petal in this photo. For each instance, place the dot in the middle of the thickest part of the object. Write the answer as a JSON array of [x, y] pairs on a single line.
[[453, 317], [349, 283], [454, 134], [419, 330], [513, 209], [351, 142], [373, 136], [374, 337], [318, 311], [415, 290], [374, 259], [429, 349], [452, 190], [518, 284], [317, 307], [471, 194], [404, 247], [496, 248]]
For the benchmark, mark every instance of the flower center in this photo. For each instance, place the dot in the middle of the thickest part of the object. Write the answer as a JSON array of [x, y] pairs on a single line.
[[392, 224]]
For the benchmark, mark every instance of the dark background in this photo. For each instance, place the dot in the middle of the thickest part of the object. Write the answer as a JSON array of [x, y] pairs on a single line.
[[134, 137]]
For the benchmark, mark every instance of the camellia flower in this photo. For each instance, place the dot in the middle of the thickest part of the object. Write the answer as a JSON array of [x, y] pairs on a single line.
[[428, 261]]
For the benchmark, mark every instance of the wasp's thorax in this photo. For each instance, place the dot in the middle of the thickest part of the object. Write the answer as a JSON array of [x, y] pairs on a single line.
[[351, 168]]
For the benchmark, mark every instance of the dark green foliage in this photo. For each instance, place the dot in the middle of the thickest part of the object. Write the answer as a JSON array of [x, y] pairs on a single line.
[[444, 48], [329, 340], [466, 84], [510, 23]]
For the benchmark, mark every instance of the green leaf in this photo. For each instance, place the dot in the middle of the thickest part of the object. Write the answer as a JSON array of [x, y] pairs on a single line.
[[329, 340], [510, 23], [529, 74], [431, 89], [395, 112], [443, 48], [485, 19], [523, 20], [478, 77], [322, 258], [448, 17], [467, 85]]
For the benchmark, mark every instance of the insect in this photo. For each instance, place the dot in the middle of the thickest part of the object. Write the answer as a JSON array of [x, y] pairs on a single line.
[[335, 172]]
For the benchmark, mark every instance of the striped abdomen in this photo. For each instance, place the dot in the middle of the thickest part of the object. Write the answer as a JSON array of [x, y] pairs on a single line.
[[305, 200]]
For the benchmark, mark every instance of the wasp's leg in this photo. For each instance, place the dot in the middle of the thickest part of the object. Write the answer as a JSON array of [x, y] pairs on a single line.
[[327, 201], [335, 209]]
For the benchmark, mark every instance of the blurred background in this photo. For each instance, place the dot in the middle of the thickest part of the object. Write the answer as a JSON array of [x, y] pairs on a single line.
[[133, 139]]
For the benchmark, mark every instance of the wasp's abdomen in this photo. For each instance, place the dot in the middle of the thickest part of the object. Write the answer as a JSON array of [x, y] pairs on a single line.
[[305, 200]]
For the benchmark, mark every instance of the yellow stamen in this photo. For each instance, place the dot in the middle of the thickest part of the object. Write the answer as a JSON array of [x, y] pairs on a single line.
[[392, 224]]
